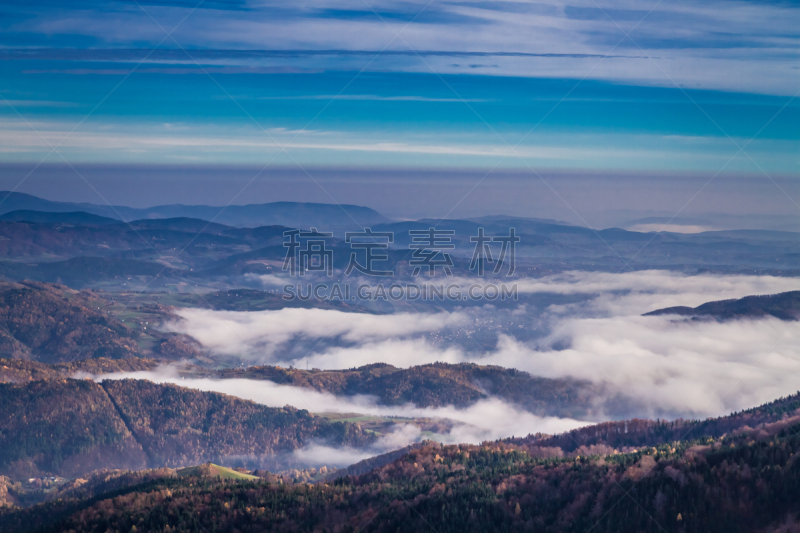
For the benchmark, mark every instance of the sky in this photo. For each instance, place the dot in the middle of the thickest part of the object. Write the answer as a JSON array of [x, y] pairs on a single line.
[[682, 88]]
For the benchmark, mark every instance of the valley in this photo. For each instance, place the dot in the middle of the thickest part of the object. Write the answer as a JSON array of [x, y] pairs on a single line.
[[150, 361]]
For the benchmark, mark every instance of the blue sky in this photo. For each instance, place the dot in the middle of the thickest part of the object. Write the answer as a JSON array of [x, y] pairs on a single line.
[[629, 85]]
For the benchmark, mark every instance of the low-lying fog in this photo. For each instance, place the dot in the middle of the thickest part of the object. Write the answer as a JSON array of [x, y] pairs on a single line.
[[666, 366], [489, 419]]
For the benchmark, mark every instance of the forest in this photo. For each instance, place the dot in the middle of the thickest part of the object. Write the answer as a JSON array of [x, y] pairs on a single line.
[[70, 427], [430, 385], [784, 306], [52, 323], [745, 481]]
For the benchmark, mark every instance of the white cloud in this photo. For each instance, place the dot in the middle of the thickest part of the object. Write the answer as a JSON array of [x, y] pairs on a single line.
[[268, 280], [672, 228], [486, 420], [647, 290], [669, 367], [258, 334], [160, 140], [372, 97], [666, 366], [731, 45], [398, 352]]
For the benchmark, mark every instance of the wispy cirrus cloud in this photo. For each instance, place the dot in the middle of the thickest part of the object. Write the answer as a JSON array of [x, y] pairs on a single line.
[[429, 76], [249, 143], [374, 97], [698, 44], [36, 103], [201, 71]]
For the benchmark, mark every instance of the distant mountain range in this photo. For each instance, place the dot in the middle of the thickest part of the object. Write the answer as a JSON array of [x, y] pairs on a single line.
[[291, 214], [785, 306], [86, 245], [45, 217]]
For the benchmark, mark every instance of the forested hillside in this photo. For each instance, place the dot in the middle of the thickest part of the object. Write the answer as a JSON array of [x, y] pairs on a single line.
[[66, 427], [434, 385], [643, 432], [39, 321], [70, 427], [51, 323], [785, 306], [749, 481], [21, 371], [178, 426]]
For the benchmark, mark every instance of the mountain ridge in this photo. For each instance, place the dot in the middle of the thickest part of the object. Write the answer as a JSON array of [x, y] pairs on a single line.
[[294, 214], [784, 306], [70, 427], [744, 481]]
